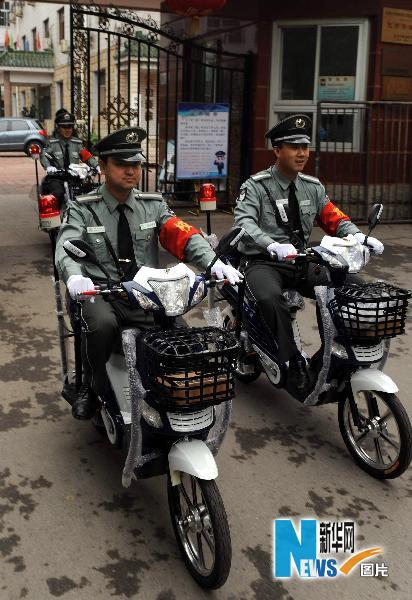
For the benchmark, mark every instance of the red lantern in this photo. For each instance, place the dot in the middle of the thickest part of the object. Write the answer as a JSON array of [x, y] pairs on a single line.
[[194, 8]]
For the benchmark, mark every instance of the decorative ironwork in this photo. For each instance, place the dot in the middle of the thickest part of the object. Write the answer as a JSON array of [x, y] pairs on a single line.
[[128, 70], [118, 112]]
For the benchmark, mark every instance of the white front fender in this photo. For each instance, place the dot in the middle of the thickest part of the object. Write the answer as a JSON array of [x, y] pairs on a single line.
[[373, 380], [192, 457]]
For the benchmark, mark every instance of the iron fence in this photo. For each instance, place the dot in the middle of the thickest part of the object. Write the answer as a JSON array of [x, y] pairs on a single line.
[[364, 155], [127, 70]]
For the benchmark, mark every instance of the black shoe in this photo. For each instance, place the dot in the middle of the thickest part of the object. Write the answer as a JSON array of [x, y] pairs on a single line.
[[84, 406], [298, 377]]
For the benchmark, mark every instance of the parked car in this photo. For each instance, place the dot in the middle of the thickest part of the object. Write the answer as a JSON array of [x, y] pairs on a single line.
[[16, 134]]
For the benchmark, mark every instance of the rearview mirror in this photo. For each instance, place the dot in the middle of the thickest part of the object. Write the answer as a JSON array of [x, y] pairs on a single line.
[[81, 252], [374, 215], [230, 240]]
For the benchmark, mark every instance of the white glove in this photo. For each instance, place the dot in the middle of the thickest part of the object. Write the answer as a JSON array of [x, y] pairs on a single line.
[[50, 170], [78, 283], [376, 246], [222, 271], [98, 170], [282, 250]]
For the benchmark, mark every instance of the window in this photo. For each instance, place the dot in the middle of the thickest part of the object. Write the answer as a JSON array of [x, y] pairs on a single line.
[[60, 19], [314, 62], [25, 43], [4, 124], [46, 31], [34, 38], [4, 14], [19, 125]]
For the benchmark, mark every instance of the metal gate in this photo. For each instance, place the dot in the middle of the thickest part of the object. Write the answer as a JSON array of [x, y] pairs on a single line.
[[364, 155], [126, 70]]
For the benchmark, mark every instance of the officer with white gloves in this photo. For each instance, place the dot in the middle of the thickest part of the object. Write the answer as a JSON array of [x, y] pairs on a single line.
[[278, 207], [123, 226]]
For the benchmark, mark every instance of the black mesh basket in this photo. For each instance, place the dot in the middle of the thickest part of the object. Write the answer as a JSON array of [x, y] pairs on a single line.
[[190, 369], [364, 312]]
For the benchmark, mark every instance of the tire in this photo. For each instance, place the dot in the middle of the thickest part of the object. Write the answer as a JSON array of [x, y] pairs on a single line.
[[28, 144], [382, 446], [247, 370], [197, 504]]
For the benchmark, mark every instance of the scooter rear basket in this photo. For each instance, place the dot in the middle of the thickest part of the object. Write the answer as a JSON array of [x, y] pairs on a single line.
[[190, 369], [362, 312]]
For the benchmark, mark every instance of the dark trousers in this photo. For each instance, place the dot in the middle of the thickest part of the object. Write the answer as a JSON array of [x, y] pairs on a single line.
[[267, 280], [101, 323], [55, 187]]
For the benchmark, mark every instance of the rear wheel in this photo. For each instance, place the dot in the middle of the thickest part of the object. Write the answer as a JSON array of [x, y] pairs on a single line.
[[381, 442], [202, 532]]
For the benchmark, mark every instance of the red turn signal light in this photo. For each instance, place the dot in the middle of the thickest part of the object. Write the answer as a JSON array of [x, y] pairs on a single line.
[[48, 207], [34, 150], [207, 196], [42, 132]]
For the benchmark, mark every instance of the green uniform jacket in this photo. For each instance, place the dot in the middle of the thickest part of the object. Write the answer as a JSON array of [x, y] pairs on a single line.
[[147, 213], [254, 212], [57, 147]]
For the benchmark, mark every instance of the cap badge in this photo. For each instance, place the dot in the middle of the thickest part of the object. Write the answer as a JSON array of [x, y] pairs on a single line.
[[299, 123], [132, 137]]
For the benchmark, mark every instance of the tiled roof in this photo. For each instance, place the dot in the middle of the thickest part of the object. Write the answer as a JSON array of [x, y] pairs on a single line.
[[26, 59]]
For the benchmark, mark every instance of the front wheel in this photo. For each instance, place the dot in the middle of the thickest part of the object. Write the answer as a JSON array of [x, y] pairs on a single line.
[[201, 528], [379, 435]]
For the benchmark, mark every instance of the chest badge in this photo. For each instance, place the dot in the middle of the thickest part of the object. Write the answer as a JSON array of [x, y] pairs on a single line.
[[149, 225]]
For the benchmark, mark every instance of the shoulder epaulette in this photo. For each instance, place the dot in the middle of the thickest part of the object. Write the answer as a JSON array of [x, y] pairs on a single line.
[[53, 139], [309, 178], [75, 139], [86, 198], [148, 196], [261, 175]]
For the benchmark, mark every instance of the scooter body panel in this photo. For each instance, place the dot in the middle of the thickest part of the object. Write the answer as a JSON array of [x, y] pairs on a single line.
[[373, 380], [192, 457]]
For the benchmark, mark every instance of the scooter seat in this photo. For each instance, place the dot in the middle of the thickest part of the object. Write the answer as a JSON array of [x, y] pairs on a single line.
[[294, 300]]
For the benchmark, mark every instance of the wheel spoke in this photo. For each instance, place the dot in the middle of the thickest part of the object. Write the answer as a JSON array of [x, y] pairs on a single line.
[[388, 415], [362, 435], [200, 550], [209, 540], [378, 451], [391, 442]]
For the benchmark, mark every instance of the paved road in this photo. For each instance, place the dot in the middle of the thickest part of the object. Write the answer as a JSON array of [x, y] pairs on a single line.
[[68, 528]]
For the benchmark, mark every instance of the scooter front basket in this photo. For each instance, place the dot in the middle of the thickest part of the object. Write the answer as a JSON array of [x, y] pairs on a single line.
[[368, 311], [190, 369]]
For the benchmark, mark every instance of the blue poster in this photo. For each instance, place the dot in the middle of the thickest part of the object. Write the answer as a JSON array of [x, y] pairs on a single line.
[[202, 140]]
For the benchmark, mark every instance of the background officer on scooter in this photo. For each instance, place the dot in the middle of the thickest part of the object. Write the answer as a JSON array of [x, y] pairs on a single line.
[[277, 207], [123, 225], [66, 149]]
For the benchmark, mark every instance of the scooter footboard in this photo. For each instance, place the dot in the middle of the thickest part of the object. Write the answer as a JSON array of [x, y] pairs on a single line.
[[192, 457]]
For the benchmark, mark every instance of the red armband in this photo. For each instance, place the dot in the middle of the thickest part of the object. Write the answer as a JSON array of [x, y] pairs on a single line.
[[330, 217], [85, 155], [174, 236]]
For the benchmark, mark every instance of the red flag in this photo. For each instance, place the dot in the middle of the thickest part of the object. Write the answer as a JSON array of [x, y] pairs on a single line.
[[6, 39], [38, 44]]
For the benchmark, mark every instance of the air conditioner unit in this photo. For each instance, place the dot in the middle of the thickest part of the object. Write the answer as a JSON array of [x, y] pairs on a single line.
[[64, 46]]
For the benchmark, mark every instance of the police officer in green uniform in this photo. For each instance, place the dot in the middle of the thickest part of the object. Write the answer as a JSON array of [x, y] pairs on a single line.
[[123, 225], [278, 207], [66, 149]]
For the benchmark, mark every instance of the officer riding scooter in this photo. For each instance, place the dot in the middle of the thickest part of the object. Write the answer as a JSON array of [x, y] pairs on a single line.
[[277, 209]]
